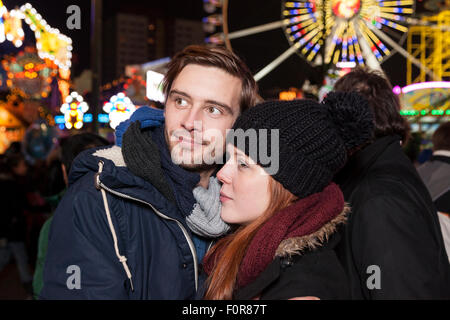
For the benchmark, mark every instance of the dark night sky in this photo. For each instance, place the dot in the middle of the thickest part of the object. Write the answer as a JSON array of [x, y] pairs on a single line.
[[256, 50], [54, 12]]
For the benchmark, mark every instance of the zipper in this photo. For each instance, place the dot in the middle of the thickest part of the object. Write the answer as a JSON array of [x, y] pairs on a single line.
[[183, 229], [210, 245]]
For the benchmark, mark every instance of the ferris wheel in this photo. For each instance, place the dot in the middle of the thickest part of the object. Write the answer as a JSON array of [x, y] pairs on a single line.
[[331, 32]]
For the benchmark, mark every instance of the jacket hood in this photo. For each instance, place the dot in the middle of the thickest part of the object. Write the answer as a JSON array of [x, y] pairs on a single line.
[[299, 245], [117, 177]]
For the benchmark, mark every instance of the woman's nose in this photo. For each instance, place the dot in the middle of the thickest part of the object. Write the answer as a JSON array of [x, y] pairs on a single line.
[[224, 174]]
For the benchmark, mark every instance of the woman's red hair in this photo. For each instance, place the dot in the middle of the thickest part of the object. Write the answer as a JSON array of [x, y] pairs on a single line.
[[230, 250]]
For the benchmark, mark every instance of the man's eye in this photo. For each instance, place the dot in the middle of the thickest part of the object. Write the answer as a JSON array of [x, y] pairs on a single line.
[[180, 102], [214, 111]]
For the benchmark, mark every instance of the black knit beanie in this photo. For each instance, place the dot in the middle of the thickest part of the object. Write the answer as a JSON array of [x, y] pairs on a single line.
[[314, 138]]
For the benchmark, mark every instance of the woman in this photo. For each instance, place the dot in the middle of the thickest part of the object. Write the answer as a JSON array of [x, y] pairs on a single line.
[[286, 219]]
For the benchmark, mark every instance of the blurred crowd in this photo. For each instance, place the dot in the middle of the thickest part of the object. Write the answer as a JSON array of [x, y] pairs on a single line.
[[29, 194]]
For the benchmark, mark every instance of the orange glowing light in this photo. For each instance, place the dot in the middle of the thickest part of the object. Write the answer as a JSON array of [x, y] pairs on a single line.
[[345, 9]]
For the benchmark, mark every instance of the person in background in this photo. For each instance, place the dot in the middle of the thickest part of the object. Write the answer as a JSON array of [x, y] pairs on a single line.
[[392, 245], [412, 147], [435, 173], [69, 148], [12, 217]]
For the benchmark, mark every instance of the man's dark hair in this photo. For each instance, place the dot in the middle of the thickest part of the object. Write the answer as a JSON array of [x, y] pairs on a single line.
[[218, 57], [384, 103], [441, 137], [73, 145]]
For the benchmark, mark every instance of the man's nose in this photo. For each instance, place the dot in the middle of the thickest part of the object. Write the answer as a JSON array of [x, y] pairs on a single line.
[[192, 120]]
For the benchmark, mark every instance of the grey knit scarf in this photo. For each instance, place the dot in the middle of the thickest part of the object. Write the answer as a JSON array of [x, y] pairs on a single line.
[[205, 218], [146, 155]]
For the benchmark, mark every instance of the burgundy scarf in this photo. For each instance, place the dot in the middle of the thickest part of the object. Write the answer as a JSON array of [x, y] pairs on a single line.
[[302, 218]]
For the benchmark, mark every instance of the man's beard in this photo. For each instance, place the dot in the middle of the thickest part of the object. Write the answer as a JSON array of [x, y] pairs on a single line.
[[201, 160]]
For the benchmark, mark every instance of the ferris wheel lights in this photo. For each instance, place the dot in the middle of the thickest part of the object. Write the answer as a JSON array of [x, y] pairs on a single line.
[[215, 39], [215, 19], [216, 3], [295, 4], [346, 64]]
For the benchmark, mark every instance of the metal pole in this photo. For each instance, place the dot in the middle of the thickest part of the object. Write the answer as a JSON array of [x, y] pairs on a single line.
[[289, 52], [96, 59], [257, 29]]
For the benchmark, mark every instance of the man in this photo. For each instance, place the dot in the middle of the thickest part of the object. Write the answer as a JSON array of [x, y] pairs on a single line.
[[436, 176], [121, 231], [392, 246]]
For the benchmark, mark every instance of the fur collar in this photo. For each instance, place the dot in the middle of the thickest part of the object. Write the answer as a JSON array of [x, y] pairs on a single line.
[[298, 245], [113, 153]]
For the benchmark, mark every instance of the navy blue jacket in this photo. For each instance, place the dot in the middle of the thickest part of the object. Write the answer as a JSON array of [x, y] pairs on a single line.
[[151, 233]]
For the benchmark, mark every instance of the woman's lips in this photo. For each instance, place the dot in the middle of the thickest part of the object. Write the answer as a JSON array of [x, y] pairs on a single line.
[[224, 198]]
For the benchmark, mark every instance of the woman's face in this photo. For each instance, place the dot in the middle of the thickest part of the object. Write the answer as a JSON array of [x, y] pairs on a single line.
[[245, 192]]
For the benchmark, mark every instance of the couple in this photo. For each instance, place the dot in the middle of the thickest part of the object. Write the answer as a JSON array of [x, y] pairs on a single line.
[[134, 225]]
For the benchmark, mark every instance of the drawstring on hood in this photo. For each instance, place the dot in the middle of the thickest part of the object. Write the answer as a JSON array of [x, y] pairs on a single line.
[[122, 258]]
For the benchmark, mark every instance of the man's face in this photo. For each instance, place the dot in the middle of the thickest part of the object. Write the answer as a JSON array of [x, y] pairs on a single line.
[[202, 104]]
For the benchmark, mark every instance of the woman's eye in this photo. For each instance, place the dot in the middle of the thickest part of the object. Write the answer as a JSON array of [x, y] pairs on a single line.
[[242, 164], [180, 102], [214, 111]]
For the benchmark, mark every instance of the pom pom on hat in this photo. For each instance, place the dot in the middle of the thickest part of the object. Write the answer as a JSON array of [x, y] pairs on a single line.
[[352, 117]]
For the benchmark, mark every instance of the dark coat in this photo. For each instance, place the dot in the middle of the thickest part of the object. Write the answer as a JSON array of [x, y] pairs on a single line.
[[152, 234], [393, 225], [303, 266]]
